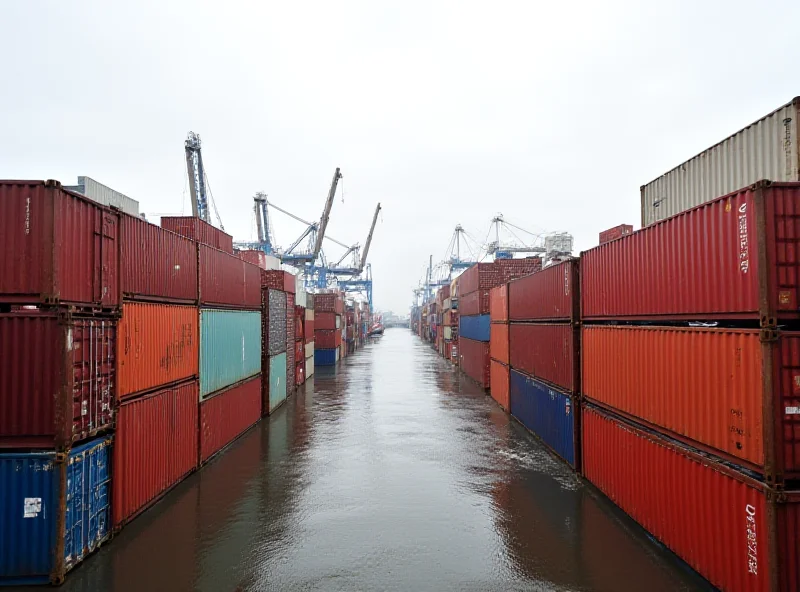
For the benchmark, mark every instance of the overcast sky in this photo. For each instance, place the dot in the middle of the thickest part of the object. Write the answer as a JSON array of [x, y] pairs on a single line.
[[446, 112]]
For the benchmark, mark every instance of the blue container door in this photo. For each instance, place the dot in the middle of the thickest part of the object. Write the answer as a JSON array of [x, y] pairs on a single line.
[[474, 327], [326, 357]]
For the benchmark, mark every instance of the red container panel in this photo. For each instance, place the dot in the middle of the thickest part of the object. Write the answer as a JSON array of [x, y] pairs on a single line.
[[155, 446], [474, 360], [498, 304], [289, 283], [227, 415], [498, 342], [705, 263], [545, 351], [300, 372], [547, 295], [309, 330], [199, 231], [499, 379], [255, 257], [474, 303], [226, 280], [273, 278], [324, 339], [60, 248], [57, 378], [714, 518], [325, 320], [615, 233], [327, 303]]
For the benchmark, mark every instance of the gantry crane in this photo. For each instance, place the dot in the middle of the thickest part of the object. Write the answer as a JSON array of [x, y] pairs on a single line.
[[198, 182], [355, 283]]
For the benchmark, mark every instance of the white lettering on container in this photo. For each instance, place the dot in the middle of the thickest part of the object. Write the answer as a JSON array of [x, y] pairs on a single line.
[[744, 257], [752, 543], [793, 411], [28, 215], [566, 280]]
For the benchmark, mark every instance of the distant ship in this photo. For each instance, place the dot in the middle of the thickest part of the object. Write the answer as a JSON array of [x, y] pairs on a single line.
[[376, 329]]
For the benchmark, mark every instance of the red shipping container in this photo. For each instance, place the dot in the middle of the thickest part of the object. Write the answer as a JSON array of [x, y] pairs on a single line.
[[200, 231], [498, 304], [509, 269], [226, 280], [290, 341], [327, 339], [474, 360], [327, 303], [300, 373], [705, 263], [475, 278], [498, 342], [500, 378], [615, 233], [548, 295], [734, 531], [299, 349], [57, 378], [299, 323], [547, 351], [155, 447], [309, 331], [273, 278], [59, 247], [255, 257], [227, 415], [289, 283], [326, 320], [156, 264], [474, 303]]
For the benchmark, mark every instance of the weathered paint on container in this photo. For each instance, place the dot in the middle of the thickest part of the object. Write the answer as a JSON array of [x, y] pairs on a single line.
[[226, 280], [309, 366], [704, 385], [732, 258], [498, 343], [499, 383], [766, 149], [255, 257], [474, 303], [57, 378], [155, 446], [475, 328], [199, 231], [615, 233], [62, 247], [230, 348], [498, 304], [227, 415], [157, 345], [474, 360], [54, 511], [327, 321], [327, 339], [734, 531], [275, 333], [547, 351], [326, 357], [328, 303], [289, 283], [547, 412], [551, 294], [277, 382], [156, 264]]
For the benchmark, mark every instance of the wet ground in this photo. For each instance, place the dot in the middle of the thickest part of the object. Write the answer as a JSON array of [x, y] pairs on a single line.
[[390, 472]]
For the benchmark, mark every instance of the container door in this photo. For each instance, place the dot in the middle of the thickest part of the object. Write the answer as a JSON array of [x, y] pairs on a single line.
[[75, 525], [106, 280], [97, 507]]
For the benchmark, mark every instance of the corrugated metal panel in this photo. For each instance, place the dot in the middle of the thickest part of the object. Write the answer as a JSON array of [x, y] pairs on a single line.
[[290, 338], [57, 378], [328, 321], [226, 280], [309, 314], [715, 519], [498, 343], [230, 348], [474, 303], [326, 357], [309, 337], [766, 149], [309, 366], [255, 257], [289, 283], [155, 446], [328, 303], [65, 247], [276, 321], [277, 381], [546, 351], [498, 304], [545, 411], [157, 345], [475, 328], [547, 295], [327, 339], [200, 231], [499, 383], [474, 360], [52, 513], [615, 233], [105, 195], [225, 416]]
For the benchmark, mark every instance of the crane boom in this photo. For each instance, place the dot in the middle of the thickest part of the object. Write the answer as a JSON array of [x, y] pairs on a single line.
[[299, 219], [259, 221], [326, 213], [369, 239], [197, 177]]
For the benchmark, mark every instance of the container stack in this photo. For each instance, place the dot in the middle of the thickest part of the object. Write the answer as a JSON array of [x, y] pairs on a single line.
[[498, 346], [274, 362], [309, 336], [543, 345], [291, 360], [301, 303], [615, 233], [328, 309], [443, 334], [691, 378]]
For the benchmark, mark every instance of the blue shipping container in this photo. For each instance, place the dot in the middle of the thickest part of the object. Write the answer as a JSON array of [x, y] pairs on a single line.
[[53, 513], [474, 327], [545, 411], [230, 348], [277, 381], [326, 357]]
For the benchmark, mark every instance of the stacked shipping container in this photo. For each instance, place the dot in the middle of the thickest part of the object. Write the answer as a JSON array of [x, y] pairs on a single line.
[[275, 339], [328, 312], [499, 376], [309, 336]]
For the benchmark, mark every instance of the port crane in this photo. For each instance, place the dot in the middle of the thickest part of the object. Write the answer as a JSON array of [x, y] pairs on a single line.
[[198, 182], [354, 283]]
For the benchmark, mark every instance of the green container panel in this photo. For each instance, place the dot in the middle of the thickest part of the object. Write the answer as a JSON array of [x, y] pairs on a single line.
[[230, 348], [277, 380]]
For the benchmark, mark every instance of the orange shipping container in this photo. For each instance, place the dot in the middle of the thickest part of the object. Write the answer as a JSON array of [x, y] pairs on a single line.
[[498, 342], [499, 379], [705, 386], [157, 345], [498, 304]]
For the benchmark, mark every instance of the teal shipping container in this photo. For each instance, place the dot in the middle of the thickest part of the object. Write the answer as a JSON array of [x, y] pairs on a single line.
[[277, 381], [230, 348]]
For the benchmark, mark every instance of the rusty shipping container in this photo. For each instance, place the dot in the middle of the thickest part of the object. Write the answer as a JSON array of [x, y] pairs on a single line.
[[155, 446], [734, 531], [156, 264], [707, 386], [499, 342], [474, 360], [290, 338], [499, 383], [547, 351], [328, 321], [57, 378], [226, 280], [551, 294], [498, 304], [328, 303], [199, 231], [60, 247], [157, 345], [255, 257], [732, 258], [227, 415], [615, 233], [327, 339], [474, 303]]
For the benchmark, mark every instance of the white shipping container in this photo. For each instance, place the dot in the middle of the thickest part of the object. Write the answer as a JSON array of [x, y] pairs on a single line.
[[309, 367], [766, 149], [300, 291], [105, 195], [309, 350]]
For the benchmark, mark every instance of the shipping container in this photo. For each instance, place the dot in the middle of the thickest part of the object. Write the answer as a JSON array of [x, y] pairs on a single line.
[[226, 280], [200, 231], [477, 277], [155, 447], [474, 303], [289, 283], [309, 338], [157, 345], [255, 257], [230, 348], [61, 248], [498, 343], [327, 321], [615, 233], [104, 195], [57, 378], [327, 339], [226, 415], [326, 303], [276, 393], [309, 366], [299, 351], [54, 511], [309, 350], [498, 304], [766, 149], [300, 373], [326, 357], [156, 264], [734, 531], [448, 333], [548, 351], [309, 313], [475, 328], [275, 322], [499, 383], [474, 360], [732, 258], [551, 294], [548, 413], [706, 386], [290, 359]]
